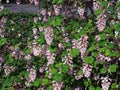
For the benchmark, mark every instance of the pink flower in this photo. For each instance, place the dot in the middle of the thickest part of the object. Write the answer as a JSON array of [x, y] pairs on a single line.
[[36, 2]]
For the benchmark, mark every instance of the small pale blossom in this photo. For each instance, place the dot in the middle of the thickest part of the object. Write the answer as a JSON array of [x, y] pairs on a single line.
[[49, 72], [8, 69], [27, 83], [96, 5], [60, 45], [7, 1], [101, 23], [43, 12], [28, 57], [18, 2], [41, 70], [35, 37], [78, 77], [87, 69], [106, 82], [102, 58], [36, 50], [36, 2], [57, 86], [49, 13], [48, 32], [97, 37], [112, 22], [16, 53], [81, 44], [41, 28], [1, 8], [57, 9], [68, 60], [118, 15], [34, 31], [31, 1], [50, 57], [45, 19], [41, 88], [116, 34], [35, 19], [32, 75], [81, 12]]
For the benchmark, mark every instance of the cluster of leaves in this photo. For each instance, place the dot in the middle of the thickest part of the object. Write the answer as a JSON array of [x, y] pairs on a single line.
[[108, 45]]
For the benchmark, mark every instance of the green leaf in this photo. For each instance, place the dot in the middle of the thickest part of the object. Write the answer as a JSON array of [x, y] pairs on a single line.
[[101, 49], [52, 49], [58, 77], [95, 54], [77, 36], [58, 65], [45, 81], [113, 68], [74, 52], [114, 86], [86, 83], [37, 82], [116, 26], [80, 72], [98, 88], [53, 71], [59, 1], [50, 88], [104, 3], [91, 87], [98, 12], [65, 68], [91, 48], [55, 21], [107, 52], [114, 54], [103, 36], [11, 88], [89, 59], [2, 41], [82, 32], [27, 51], [95, 64], [103, 70], [118, 4]]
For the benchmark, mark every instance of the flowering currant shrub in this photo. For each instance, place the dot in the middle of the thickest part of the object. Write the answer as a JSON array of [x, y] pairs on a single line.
[[68, 45]]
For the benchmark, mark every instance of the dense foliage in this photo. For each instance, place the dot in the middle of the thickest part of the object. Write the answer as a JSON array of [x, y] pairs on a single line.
[[69, 45]]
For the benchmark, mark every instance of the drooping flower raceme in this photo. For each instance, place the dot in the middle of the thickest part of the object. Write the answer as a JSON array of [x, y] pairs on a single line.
[[101, 22], [36, 2], [8, 69], [50, 57], [81, 44], [96, 5], [31, 78], [57, 86], [57, 9], [81, 12], [32, 75], [106, 82], [118, 16], [68, 60], [48, 32], [36, 50], [102, 58], [1, 7], [87, 69]]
